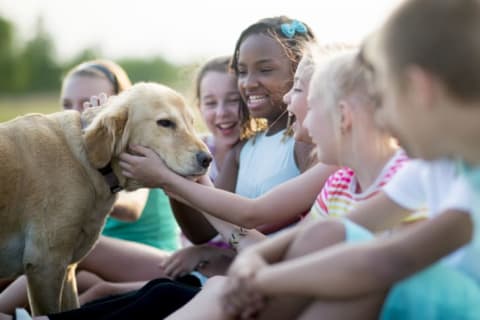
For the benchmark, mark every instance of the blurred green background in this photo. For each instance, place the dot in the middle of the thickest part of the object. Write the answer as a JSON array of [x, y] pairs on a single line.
[[31, 73]]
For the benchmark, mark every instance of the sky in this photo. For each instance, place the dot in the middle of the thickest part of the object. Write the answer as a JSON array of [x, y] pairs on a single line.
[[183, 31]]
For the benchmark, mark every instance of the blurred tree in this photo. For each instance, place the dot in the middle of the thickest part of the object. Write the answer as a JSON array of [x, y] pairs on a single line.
[[34, 67], [87, 54], [150, 69], [7, 56], [38, 62]]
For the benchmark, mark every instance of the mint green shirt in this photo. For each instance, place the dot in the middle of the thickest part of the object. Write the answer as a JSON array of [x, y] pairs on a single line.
[[156, 226]]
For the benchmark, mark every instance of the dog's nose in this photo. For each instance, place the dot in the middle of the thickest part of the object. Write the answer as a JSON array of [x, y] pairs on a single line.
[[204, 159]]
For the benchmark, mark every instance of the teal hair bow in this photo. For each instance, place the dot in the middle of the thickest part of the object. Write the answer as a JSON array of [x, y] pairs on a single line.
[[290, 29]]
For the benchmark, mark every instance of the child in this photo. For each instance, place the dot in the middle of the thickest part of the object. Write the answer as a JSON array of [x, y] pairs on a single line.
[[218, 101]]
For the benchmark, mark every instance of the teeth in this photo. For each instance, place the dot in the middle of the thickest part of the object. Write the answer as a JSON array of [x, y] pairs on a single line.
[[226, 125], [256, 98]]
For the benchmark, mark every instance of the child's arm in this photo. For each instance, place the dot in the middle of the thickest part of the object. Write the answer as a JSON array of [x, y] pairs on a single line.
[[290, 198], [349, 270], [191, 258], [236, 236], [129, 205], [378, 213]]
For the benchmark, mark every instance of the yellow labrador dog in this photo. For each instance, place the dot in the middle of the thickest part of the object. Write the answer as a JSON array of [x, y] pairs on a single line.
[[58, 175]]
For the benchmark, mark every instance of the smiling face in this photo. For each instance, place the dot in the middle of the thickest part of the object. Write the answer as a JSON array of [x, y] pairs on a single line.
[[220, 105], [264, 75], [296, 98]]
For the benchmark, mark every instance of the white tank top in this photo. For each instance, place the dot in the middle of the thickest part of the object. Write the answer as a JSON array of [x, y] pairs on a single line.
[[265, 161]]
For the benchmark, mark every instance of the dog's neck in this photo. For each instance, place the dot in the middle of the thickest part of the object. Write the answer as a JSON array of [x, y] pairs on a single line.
[[111, 178]]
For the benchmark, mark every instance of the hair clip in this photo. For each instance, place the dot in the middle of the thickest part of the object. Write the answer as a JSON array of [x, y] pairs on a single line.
[[290, 29]]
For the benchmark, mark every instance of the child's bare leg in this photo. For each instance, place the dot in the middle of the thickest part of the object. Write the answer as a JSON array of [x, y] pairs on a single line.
[[86, 280], [205, 305], [123, 261], [313, 238], [14, 296], [362, 308]]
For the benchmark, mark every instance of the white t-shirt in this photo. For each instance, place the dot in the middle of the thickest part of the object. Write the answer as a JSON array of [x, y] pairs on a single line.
[[438, 186]]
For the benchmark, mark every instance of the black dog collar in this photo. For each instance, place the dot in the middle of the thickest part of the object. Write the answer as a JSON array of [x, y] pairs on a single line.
[[111, 178]]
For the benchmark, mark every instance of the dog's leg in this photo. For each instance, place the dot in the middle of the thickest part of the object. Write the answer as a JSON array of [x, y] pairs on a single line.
[[45, 286], [69, 292]]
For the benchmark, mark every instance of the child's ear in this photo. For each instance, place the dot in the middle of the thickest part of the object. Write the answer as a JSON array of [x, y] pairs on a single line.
[[345, 116]]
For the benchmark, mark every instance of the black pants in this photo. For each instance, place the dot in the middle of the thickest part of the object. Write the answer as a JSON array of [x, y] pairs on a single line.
[[158, 298]]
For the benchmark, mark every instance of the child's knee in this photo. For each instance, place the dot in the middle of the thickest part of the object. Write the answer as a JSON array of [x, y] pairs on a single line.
[[317, 236], [215, 282]]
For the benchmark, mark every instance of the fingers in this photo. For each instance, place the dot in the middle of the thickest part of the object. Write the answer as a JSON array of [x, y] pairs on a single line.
[[125, 164], [102, 98], [86, 105], [241, 299], [176, 269], [127, 157], [95, 101], [171, 266], [142, 151]]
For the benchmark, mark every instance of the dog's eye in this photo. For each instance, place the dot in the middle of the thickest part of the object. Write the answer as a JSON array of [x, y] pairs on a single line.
[[166, 123]]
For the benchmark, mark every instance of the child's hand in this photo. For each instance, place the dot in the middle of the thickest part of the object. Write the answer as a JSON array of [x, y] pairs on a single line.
[[145, 166], [95, 101], [246, 264], [185, 261], [241, 298]]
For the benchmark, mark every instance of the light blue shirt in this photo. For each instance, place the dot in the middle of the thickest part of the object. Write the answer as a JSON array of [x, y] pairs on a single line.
[[470, 261]]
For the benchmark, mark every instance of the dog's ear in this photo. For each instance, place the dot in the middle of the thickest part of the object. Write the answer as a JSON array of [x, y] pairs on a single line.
[[104, 134]]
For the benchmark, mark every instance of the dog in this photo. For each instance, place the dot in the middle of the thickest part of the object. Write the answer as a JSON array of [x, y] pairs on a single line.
[[59, 175]]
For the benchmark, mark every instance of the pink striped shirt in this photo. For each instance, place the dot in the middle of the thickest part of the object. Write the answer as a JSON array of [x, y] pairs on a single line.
[[340, 193]]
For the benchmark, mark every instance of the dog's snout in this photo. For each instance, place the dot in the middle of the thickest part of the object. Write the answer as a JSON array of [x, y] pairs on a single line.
[[204, 159]]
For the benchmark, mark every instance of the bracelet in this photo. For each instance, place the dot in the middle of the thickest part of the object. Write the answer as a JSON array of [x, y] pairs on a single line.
[[236, 235]]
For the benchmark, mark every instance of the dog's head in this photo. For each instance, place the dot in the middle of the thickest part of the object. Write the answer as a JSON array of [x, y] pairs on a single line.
[[151, 115]]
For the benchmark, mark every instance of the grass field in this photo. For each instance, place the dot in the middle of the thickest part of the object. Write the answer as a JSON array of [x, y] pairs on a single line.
[[11, 107]]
